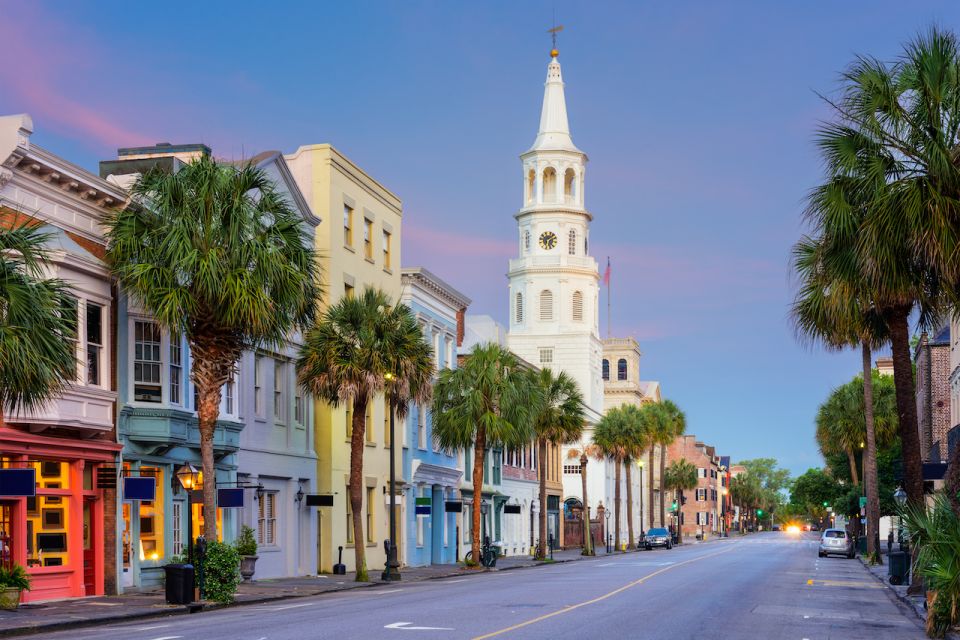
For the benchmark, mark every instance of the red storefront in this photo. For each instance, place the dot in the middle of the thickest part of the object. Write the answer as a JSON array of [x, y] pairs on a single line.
[[61, 535]]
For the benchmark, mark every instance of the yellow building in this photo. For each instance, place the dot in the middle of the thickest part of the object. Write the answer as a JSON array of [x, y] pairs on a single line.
[[359, 244]]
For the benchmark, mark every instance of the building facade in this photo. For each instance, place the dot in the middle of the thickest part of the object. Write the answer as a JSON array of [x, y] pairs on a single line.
[[66, 534], [933, 390], [700, 512], [358, 239], [432, 476]]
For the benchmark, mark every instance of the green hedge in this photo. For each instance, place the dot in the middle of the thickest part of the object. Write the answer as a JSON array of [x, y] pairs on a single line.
[[221, 571]]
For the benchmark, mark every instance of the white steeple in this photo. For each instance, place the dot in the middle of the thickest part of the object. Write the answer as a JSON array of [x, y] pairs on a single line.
[[554, 134]]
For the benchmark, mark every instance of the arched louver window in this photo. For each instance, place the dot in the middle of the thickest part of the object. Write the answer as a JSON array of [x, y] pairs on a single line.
[[526, 241], [577, 306], [546, 305], [572, 242], [621, 369], [519, 308], [606, 369]]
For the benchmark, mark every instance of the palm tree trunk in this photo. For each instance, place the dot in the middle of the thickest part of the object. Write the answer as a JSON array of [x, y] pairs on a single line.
[[650, 502], [679, 516], [663, 470], [627, 464], [854, 476], [479, 461], [898, 322], [870, 461], [542, 544], [357, 446], [616, 503], [587, 534]]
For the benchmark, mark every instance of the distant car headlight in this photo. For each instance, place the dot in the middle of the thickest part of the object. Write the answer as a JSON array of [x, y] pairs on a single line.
[[793, 529]]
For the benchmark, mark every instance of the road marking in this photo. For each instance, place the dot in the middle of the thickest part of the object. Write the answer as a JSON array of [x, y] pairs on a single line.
[[572, 607], [455, 581], [292, 606], [156, 626], [405, 626], [845, 583], [168, 638]]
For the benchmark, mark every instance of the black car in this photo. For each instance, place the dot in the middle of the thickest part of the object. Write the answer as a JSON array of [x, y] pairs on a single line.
[[659, 537]]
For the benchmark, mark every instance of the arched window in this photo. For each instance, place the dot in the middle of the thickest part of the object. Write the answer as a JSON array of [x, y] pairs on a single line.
[[569, 186], [531, 186], [606, 369], [572, 242], [526, 241], [549, 184], [546, 305], [578, 306], [519, 308], [621, 369]]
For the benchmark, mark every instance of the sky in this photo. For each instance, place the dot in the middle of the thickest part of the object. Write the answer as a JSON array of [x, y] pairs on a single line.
[[698, 119]]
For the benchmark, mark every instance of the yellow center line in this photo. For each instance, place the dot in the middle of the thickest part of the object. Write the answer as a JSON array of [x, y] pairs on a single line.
[[570, 607]]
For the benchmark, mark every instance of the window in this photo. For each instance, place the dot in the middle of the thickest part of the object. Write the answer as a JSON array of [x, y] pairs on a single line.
[[578, 306], [347, 225], [348, 417], [526, 241], [176, 370], [368, 239], [94, 342], [606, 369], [370, 500], [436, 352], [519, 308], [146, 362], [571, 469], [386, 249], [448, 352], [151, 519], [368, 422], [348, 291], [497, 466], [621, 369], [298, 405], [546, 355], [267, 519], [278, 382], [422, 427], [258, 385], [177, 517], [68, 310], [701, 473], [546, 305], [701, 495], [229, 395], [349, 504], [572, 242]]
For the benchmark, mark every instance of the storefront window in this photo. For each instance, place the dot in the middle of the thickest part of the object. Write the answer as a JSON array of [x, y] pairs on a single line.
[[198, 521], [151, 519], [48, 515]]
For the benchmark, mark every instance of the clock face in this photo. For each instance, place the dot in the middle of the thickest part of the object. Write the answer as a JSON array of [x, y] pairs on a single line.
[[548, 240]]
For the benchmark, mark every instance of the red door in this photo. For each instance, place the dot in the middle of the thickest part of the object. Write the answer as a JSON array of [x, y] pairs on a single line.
[[89, 554]]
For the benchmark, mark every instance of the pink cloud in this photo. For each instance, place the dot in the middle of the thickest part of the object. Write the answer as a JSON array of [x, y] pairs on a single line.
[[39, 84], [451, 243]]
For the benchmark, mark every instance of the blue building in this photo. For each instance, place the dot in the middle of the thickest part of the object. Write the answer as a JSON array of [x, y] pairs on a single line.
[[432, 476]]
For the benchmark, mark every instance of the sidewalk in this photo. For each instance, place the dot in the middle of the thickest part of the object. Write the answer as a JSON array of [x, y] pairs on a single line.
[[101, 610]]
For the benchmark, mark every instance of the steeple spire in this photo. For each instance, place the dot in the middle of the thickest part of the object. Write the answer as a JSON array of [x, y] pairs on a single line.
[[554, 134]]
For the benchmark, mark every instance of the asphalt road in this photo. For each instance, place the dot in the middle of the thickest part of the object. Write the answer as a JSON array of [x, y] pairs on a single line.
[[766, 586]]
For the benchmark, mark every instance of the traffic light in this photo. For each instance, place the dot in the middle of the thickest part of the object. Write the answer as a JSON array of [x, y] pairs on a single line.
[[826, 504], [760, 512], [674, 507], [683, 499]]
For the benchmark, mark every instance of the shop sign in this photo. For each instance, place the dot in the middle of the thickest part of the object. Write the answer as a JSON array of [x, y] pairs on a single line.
[[423, 506], [140, 488], [230, 498], [18, 482], [453, 506], [319, 500]]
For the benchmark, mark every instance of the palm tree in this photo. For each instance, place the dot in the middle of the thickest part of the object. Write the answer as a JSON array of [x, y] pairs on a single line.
[[613, 439], [37, 358], [680, 476], [589, 450], [637, 442], [361, 347], [667, 423], [560, 421], [215, 253], [490, 401]]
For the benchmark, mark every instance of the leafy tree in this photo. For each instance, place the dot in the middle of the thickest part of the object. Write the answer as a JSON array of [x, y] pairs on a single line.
[[215, 253], [36, 361], [680, 476], [814, 491], [489, 401], [559, 421]]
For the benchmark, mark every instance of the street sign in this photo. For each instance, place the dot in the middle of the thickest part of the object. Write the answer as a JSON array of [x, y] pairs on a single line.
[[319, 500], [863, 502], [453, 506], [231, 498], [424, 502], [18, 482], [511, 508], [423, 506]]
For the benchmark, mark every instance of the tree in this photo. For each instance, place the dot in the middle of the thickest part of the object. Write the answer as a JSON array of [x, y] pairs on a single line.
[[489, 401], [613, 438], [813, 492], [680, 476], [361, 347], [215, 253], [37, 357], [665, 423], [559, 421], [638, 441]]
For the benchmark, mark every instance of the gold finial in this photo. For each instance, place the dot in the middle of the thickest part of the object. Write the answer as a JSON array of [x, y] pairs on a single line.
[[553, 33]]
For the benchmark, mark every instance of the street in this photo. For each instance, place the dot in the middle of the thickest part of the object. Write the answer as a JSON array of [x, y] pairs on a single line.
[[767, 585]]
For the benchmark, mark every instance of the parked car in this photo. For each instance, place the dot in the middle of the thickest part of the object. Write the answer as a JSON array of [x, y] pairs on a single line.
[[775, 527], [836, 542], [814, 527], [658, 537]]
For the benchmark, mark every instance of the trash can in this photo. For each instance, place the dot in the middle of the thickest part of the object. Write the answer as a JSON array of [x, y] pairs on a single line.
[[862, 545], [179, 582], [897, 566]]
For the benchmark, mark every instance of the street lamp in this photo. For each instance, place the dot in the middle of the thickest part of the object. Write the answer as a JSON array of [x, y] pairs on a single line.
[[900, 496], [640, 464], [191, 480], [392, 571], [607, 516]]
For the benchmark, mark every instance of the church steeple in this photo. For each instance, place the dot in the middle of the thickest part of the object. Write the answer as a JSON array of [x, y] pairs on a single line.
[[554, 134]]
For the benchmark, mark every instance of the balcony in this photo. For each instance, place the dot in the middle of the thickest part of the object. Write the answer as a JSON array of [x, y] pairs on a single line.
[[86, 409], [555, 262], [163, 427]]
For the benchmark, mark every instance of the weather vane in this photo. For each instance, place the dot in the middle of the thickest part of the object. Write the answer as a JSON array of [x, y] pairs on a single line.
[[557, 28]]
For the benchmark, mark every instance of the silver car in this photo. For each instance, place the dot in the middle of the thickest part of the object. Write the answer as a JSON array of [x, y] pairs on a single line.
[[836, 542]]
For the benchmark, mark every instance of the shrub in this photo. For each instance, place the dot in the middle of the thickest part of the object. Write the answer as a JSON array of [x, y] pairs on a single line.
[[15, 577], [221, 568], [246, 544]]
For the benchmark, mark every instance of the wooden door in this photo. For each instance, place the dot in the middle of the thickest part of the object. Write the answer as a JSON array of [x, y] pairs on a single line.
[[89, 552]]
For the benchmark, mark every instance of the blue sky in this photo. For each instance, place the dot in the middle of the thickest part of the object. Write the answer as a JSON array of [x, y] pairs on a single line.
[[697, 118]]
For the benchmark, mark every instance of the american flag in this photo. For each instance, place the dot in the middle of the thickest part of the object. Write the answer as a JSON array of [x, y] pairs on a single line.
[[606, 273]]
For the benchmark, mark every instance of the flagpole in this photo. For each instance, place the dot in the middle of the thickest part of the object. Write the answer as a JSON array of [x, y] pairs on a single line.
[[608, 296]]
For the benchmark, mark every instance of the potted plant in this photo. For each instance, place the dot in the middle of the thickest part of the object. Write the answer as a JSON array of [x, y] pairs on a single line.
[[13, 581], [246, 546]]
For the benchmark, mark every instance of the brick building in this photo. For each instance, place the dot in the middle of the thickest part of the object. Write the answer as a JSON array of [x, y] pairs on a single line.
[[932, 358], [700, 512]]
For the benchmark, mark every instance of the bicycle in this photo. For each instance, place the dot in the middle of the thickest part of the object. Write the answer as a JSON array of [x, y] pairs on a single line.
[[488, 555]]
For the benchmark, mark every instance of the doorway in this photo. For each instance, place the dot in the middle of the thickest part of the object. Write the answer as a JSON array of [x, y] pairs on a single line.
[[89, 552]]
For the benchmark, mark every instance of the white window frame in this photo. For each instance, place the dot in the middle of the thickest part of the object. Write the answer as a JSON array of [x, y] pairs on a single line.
[[103, 373], [267, 527], [546, 355], [178, 379], [279, 391], [162, 363], [258, 408], [176, 519], [421, 427]]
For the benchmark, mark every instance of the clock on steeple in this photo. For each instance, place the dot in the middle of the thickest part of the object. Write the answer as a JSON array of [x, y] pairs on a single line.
[[548, 240]]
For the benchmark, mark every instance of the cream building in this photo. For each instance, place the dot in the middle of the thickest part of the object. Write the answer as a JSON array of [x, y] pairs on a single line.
[[359, 243]]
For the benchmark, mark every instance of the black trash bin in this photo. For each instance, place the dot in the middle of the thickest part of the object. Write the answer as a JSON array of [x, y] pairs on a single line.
[[897, 566], [179, 580]]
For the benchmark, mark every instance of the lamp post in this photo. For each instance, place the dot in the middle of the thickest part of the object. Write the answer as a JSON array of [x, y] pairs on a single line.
[[392, 571], [640, 464], [607, 517], [191, 480], [900, 496]]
